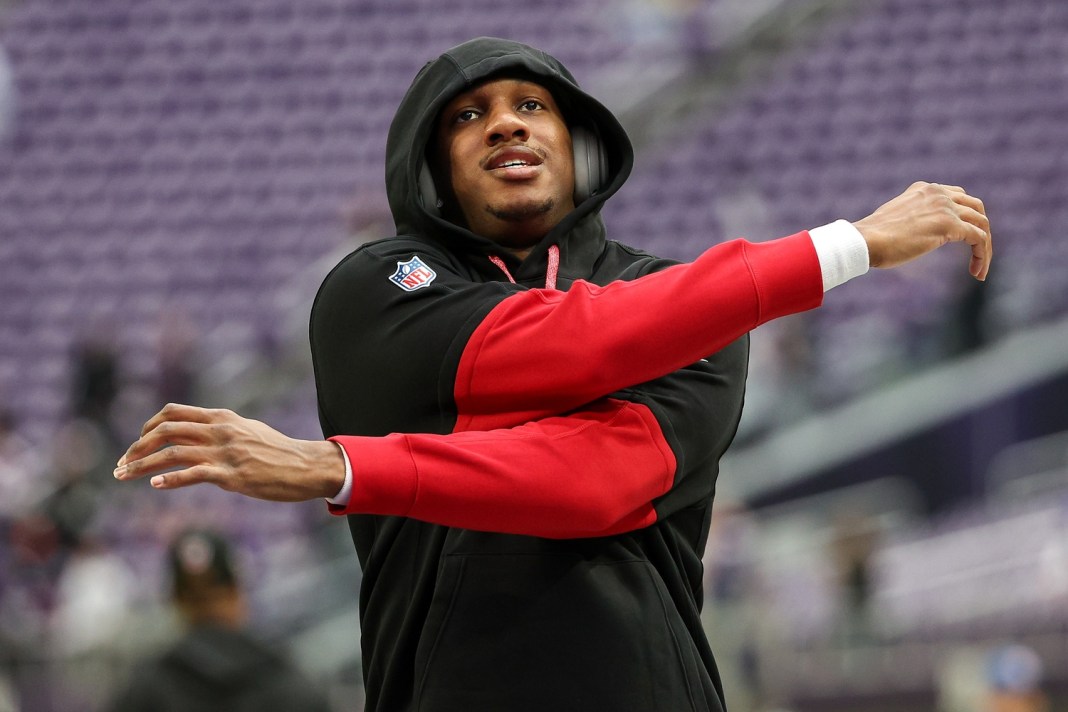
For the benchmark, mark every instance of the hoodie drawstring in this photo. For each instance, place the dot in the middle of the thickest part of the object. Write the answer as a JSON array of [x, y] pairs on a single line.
[[553, 268], [502, 267], [551, 271]]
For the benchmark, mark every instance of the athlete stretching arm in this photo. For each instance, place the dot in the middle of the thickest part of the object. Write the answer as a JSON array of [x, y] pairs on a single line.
[[246, 456]]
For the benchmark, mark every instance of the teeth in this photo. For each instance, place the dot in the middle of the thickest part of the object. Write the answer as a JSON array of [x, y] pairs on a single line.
[[511, 164]]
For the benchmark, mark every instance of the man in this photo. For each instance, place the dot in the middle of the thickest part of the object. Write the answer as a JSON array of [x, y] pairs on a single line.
[[530, 416], [216, 665]]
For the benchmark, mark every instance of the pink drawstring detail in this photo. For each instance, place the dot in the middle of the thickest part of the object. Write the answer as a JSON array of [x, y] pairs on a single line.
[[551, 270], [502, 266], [554, 267]]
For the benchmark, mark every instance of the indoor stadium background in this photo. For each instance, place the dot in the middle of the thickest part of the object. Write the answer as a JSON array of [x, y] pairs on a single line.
[[177, 176]]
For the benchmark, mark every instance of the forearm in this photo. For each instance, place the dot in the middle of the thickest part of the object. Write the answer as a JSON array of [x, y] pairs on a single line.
[[494, 354], [561, 349], [592, 473]]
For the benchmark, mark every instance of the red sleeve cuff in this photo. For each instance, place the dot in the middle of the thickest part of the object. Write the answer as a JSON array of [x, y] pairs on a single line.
[[787, 275], [385, 479]]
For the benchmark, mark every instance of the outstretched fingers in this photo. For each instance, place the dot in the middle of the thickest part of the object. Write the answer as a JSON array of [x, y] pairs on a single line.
[[178, 412], [169, 457], [198, 474], [177, 438], [167, 433]]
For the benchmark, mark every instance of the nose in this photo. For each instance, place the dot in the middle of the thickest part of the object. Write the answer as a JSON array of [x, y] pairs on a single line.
[[504, 125]]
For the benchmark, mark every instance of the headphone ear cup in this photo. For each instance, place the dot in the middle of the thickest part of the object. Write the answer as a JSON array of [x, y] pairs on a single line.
[[591, 163], [428, 194]]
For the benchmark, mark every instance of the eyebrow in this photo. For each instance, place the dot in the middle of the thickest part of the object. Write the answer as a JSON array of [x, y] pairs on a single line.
[[519, 86]]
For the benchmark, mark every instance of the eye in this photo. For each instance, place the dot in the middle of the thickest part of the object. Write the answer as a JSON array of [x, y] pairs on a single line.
[[531, 105], [465, 116]]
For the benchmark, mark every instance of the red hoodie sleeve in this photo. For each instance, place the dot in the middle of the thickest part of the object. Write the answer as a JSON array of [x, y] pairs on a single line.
[[594, 472], [544, 351], [454, 352], [630, 459]]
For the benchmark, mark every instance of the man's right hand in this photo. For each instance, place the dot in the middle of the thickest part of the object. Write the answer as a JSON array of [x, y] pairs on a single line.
[[923, 218], [185, 445]]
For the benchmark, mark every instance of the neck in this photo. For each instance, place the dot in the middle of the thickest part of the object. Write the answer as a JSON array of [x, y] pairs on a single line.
[[521, 252]]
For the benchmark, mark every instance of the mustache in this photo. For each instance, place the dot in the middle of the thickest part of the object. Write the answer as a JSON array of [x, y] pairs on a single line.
[[537, 151]]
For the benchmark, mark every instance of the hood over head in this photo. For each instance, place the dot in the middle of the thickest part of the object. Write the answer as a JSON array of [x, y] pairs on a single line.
[[458, 70]]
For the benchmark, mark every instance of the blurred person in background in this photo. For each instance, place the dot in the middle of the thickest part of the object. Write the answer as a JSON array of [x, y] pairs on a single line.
[[95, 376], [178, 357], [21, 484], [1014, 675], [218, 665], [92, 598], [79, 479], [732, 601], [9, 697], [526, 418], [853, 541]]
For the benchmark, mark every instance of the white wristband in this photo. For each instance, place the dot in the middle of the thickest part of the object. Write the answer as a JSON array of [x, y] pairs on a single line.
[[842, 251]]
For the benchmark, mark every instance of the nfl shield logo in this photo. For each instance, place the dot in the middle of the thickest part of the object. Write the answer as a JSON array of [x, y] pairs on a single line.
[[413, 275]]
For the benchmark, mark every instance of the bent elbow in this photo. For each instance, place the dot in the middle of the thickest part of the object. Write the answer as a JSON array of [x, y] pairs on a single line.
[[602, 515]]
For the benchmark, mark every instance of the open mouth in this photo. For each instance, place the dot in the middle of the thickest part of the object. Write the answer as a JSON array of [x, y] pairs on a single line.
[[514, 159]]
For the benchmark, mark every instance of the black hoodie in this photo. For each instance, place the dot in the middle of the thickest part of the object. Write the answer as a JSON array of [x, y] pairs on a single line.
[[214, 669], [535, 444]]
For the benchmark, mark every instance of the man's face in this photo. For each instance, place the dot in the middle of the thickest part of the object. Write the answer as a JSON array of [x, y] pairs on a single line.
[[507, 152]]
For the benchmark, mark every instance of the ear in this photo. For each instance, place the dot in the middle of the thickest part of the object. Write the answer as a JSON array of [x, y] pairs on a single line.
[[591, 162]]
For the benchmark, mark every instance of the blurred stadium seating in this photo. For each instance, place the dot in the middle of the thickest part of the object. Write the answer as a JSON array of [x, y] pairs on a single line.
[[211, 159], [198, 153], [970, 93]]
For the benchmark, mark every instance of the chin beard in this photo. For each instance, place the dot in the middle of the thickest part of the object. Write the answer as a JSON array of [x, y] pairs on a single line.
[[522, 213]]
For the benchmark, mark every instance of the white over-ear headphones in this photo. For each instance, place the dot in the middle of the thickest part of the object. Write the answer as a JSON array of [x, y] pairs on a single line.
[[591, 170]]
